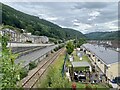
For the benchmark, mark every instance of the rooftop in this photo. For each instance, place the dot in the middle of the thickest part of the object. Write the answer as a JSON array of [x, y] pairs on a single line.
[[108, 56], [80, 64]]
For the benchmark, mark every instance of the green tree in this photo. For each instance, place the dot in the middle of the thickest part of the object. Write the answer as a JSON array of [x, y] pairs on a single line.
[[81, 41], [9, 71], [70, 47]]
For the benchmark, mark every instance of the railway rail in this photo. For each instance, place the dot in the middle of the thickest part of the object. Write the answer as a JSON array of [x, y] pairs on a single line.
[[32, 80]]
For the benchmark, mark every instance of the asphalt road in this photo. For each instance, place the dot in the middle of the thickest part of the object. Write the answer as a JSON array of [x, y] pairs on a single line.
[[33, 56]]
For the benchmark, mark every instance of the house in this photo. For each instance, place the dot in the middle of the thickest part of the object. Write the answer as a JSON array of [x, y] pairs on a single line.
[[37, 39], [44, 39], [16, 36], [114, 44], [106, 59]]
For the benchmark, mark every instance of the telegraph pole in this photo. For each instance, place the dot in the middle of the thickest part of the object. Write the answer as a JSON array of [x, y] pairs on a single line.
[[76, 45]]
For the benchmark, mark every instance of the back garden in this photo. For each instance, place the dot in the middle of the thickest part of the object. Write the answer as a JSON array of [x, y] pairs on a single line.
[[56, 77]]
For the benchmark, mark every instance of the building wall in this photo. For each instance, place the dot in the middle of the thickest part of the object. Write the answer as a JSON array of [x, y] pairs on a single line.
[[44, 39], [98, 62], [113, 71], [101, 65], [19, 37]]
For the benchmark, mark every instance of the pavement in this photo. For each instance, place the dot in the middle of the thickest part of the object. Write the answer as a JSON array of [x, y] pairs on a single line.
[[26, 59]]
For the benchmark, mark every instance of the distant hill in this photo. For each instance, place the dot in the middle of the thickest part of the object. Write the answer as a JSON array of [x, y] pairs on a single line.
[[114, 35], [35, 25]]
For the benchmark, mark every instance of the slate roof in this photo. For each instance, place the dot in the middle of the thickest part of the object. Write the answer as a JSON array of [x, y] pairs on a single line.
[[108, 56], [80, 64]]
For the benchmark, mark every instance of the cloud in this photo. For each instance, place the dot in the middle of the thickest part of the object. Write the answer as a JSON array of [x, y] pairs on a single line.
[[82, 16], [91, 5]]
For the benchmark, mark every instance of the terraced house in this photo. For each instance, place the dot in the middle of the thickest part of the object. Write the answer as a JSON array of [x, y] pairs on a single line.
[[106, 59], [16, 36]]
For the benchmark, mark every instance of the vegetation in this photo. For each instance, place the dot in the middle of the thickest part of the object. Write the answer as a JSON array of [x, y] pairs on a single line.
[[28, 41], [9, 71], [79, 42], [35, 25], [23, 73], [115, 35], [59, 47], [32, 65], [84, 58], [54, 77], [70, 47]]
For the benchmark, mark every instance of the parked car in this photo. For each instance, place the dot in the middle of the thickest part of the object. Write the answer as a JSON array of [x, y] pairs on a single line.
[[116, 80]]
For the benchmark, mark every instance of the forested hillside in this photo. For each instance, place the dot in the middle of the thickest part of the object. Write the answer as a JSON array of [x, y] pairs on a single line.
[[35, 25], [115, 35]]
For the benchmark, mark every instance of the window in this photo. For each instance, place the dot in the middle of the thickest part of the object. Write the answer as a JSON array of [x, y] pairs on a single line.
[[98, 60]]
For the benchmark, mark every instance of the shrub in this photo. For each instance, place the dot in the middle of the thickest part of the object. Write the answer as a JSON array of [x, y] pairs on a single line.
[[52, 51], [28, 41], [23, 73], [88, 87], [47, 55], [110, 86], [56, 49], [55, 42], [32, 65]]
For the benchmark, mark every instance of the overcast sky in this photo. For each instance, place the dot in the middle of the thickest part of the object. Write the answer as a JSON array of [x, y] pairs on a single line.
[[85, 17]]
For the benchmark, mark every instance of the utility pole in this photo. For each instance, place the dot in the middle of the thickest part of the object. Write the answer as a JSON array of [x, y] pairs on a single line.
[[76, 45]]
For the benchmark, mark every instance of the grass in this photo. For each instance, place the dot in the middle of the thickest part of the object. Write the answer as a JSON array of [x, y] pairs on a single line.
[[77, 59], [84, 57], [98, 86], [54, 77]]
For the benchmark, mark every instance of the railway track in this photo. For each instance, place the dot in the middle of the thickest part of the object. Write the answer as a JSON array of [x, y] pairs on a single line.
[[32, 80]]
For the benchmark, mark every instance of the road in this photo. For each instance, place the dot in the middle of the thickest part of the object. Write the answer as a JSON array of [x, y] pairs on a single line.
[[34, 55]]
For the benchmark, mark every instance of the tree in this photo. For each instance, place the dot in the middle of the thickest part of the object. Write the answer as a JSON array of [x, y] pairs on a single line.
[[81, 41], [70, 47], [9, 71]]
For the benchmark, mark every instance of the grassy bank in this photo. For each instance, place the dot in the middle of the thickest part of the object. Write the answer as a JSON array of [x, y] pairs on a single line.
[[53, 77]]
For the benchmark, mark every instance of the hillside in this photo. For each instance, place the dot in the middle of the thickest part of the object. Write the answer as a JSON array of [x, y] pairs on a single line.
[[115, 35], [35, 25]]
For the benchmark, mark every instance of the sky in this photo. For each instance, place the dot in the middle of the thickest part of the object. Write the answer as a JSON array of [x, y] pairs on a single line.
[[85, 17]]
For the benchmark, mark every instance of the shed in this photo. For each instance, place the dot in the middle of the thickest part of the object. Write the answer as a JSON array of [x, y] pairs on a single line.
[[81, 64]]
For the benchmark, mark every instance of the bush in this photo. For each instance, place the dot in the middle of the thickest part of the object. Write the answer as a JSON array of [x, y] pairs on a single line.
[[56, 49], [110, 86], [55, 42], [88, 87], [47, 55], [52, 51], [23, 73], [28, 41], [32, 65]]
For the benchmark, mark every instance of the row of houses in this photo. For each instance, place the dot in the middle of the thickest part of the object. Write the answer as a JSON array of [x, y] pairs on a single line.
[[115, 44], [16, 36], [107, 60]]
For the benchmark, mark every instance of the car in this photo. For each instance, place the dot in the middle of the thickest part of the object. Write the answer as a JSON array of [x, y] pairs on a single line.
[[116, 80]]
